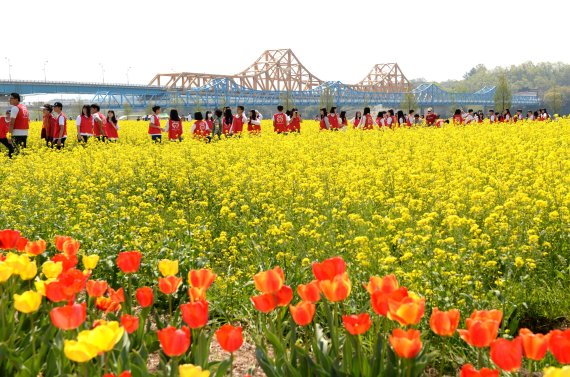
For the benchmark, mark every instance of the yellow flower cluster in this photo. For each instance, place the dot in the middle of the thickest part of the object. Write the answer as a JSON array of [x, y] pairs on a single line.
[[90, 343], [449, 210]]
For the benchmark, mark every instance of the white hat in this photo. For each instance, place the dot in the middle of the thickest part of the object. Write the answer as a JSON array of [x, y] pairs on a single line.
[[429, 109]]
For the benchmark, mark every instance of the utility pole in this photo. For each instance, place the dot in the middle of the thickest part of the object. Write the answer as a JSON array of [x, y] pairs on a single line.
[[45, 77], [128, 69], [9, 69], [102, 71]]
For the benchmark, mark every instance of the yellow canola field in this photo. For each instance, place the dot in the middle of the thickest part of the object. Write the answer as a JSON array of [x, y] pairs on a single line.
[[466, 216]]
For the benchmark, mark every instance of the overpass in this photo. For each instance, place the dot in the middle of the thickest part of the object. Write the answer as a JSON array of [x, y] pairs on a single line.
[[276, 77]]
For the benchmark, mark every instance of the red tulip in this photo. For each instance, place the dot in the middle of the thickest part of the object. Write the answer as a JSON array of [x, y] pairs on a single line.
[[534, 345], [230, 337], [129, 261], [9, 239], [68, 262], [130, 323], [265, 302], [406, 344], [174, 342], [67, 285], [407, 311], [269, 281], [70, 247], [124, 374], [169, 284], [379, 299], [444, 323], [356, 324], [36, 247], [559, 345], [201, 278], [387, 284], [469, 371], [68, 317], [482, 327], [195, 314], [336, 289], [302, 313], [117, 296], [329, 268], [284, 296], [507, 354], [96, 288], [21, 244], [60, 240], [310, 292], [145, 296]]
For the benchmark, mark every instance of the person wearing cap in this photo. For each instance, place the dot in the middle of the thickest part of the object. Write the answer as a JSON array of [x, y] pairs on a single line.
[[99, 122], [4, 128], [19, 120], [60, 128], [48, 124], [431, 117]]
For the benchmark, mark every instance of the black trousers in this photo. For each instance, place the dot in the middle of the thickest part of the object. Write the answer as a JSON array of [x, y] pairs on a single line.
[[8, 145], [21, 141]]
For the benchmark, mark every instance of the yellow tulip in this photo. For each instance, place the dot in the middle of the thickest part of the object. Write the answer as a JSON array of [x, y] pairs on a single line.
[[51, 270], [78, 351], [5, 272], [557, 372], [168, 267], [40, 286], [90, 261], [103, 337], [189, 370], [27, 302], [17, 262], [29, 271]]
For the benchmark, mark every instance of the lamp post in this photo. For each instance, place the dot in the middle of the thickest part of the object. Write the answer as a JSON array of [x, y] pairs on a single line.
[[45, 77], [128, 69], [102, 71], [9, 69]]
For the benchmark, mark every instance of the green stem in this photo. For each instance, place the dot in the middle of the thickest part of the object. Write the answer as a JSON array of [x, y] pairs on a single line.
[[479, 358], [174, 367], [231, 364], [170, 308], [32, 335]]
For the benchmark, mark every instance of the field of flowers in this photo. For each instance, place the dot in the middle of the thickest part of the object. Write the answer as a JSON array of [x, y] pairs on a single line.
[[469, 218]]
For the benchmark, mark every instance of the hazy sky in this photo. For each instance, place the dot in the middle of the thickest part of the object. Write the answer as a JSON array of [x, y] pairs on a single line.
[[335, 40]]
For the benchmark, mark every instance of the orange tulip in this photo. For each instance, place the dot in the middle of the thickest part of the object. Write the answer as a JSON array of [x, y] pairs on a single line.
[[469, 370], [329, 268], [387, 284], [174, 342], [379, 299], [303, 312], [534, 345], [229, 337], [68, 317], [169, 284], [197, 294], [482, 327], [144, 296], [60, 240], [70, 247], [444, 323], [406, 344], [195, 314], [269, 281], [107, 305], [507, 354], [9, 239], [309, 292], [337, 289], [407, 311], [130, 323], [96, 288], [118, 295], [559, 345], [356, 324], [129, 261], [265, 302], [201, 278], [284, 296], [36, 247]]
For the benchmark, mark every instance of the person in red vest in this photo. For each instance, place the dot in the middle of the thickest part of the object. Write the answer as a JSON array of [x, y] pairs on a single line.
[[492, 116], [324, 123], [356, 120], [174, 126], [99, 122], [333, 119], [112, 126], [200, 128], [368, 122], [401, 118], [410, 118], [19, 121], [60, 127], [253, 122], [457, 118], [518, 116], [227, 121], [4, 128], [154, 128], [295, 123], [209, 118], [391, 120], [280, 121], [48, 124], [431, 117], [343, 120], [238, 121], [84, 123]]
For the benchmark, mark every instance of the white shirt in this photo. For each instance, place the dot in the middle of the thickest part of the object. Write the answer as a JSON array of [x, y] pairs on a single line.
[[257, 121], [61, 121], [17, 132]]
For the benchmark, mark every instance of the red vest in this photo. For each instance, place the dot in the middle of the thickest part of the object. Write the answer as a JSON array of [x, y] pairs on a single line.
[[111, 131], [356, 123], [333, 121], [57, 126], [22, 119], [4, 127], [237, 124], [174, 129], [96, 131], [295, 124], [225, 126], [201, 128], [409, 121], [394, 122], [457, 119], [152, 130], [280, 122], [86, 125], [368, 122]]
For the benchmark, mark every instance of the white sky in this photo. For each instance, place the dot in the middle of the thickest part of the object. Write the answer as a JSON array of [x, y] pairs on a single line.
[[335, 40]]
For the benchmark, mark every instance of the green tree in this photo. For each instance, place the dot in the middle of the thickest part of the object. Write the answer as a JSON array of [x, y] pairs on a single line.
[[127, 109], [554, 99], [327, 99], [409, 102], [503, 94], [286, 99]]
